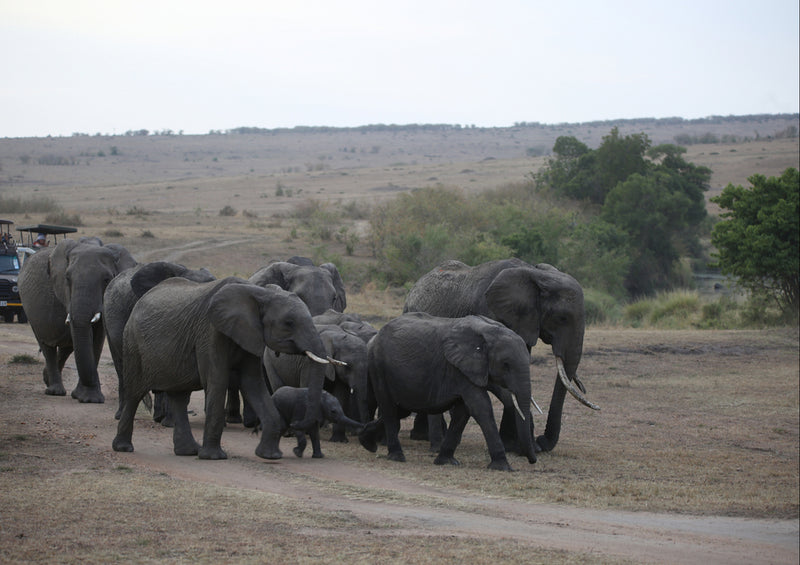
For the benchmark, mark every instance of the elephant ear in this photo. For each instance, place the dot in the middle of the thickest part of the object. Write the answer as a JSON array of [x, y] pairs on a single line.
[[151, 274], [235, 311], [514, 299], [274, 273], [122, 256], [340, 303], [57, 267], [466, 349]]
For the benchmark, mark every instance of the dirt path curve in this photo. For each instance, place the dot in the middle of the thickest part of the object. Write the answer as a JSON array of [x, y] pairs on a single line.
[[336, 485]]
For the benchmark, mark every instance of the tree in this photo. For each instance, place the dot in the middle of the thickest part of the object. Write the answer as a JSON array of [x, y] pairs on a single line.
[[757, 239]]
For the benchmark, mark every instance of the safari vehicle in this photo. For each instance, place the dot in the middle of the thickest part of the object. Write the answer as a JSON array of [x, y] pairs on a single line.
[[10, 303], [12, 257]]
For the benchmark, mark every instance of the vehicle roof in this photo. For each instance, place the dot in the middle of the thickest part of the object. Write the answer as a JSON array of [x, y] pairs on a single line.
[[5, 222], [48, 229]]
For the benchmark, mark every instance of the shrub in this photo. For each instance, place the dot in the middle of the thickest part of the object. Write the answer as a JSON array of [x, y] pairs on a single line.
[[227, 210], [600, 307], [64, 219]]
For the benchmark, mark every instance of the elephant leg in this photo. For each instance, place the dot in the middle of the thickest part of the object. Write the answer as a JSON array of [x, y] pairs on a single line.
[[480, 408], [123, 440], [233, 411], [419, 431], [183, 442], [552, 430], [255, 392], [459, 415], [313, 433], [391, 424], [249, 415], [301, 443], [437, 427], [161, 409], [52, 370]]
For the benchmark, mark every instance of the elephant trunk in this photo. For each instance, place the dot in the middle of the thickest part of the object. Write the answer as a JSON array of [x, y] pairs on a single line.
[[522, 417], [564, 383], [86, 342], [316, 380]]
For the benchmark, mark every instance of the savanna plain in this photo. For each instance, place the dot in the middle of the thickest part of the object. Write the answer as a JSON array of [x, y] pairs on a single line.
[[694, 456]]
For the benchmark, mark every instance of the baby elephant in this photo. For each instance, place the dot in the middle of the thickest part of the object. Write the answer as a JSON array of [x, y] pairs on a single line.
[[291, 403]]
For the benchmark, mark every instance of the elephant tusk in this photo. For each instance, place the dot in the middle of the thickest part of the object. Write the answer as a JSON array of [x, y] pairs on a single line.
[[539, 410], [66, 322], [516, 405], [316, 358], [333, 361], [562, 374], [95, 318]]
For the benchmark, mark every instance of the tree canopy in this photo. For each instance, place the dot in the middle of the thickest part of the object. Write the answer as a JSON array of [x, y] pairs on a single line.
[[757, 239]]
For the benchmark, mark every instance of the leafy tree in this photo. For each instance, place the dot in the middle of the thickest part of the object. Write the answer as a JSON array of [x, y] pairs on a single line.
[[757, 239]]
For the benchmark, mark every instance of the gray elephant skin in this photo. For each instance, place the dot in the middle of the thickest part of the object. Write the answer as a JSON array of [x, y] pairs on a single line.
[[184, 336], [291, 403], [536, 302], [423, 363], [347, 373], [62, 292], [321, 288], [119, 299]]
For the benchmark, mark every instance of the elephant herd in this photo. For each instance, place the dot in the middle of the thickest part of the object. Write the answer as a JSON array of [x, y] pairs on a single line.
[[281, 342]]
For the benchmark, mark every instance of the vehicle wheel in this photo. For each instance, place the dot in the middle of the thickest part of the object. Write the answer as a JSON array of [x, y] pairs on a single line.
[[22, 317], [9, 318]]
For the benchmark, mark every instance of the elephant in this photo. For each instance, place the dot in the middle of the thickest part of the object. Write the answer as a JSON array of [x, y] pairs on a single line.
[[62, 293], [348, 374], [291, 404], [320, 287], [119, 299], [423, 363], [184, 336], [350, 322], [536, 302]]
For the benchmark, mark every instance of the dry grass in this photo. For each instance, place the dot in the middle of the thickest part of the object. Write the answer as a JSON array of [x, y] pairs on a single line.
[[692, 422]]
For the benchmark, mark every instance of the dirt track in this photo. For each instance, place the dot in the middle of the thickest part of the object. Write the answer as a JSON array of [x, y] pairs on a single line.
[[402, 506]]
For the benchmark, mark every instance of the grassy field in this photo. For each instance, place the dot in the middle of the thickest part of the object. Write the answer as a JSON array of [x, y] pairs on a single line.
[[694, 453]]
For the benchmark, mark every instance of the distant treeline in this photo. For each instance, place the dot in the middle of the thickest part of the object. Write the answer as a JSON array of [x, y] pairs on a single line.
[[634, 122]]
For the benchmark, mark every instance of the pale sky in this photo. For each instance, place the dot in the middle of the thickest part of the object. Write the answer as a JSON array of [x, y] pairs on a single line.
[[110, 66]]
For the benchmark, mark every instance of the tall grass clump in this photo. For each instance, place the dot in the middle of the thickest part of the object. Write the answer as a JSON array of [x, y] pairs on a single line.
[[32, 205], [63, 218]]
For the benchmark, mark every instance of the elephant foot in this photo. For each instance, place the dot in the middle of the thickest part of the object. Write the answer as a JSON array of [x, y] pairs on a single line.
[[339, 437], [500, 465], [317, 455], [234, 419], [397, 456], [298, 451], [123, 445], [55, 390], [250, 422], [167, 421], [213, 453], [271, 453], [444, 460], [188, 449], [85, 394]]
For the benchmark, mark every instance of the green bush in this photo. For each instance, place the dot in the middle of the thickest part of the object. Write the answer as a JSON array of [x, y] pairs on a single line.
[[600, 307]]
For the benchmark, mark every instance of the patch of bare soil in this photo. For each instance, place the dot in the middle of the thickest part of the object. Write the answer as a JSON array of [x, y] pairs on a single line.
[[65, 496]]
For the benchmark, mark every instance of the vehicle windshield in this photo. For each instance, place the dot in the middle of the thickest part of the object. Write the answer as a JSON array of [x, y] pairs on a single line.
[[9, 264]]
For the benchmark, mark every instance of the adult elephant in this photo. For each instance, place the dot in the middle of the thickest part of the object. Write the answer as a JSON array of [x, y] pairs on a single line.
[[119, 299], [62, 292], [348, 374], [536, 302], [424, 363], [184, 336], [321, 288]]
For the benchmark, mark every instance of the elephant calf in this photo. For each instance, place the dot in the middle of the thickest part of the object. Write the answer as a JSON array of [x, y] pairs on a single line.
[[291, 403]]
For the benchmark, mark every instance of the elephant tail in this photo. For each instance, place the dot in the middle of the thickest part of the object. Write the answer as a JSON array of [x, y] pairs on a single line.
[[368, 437]]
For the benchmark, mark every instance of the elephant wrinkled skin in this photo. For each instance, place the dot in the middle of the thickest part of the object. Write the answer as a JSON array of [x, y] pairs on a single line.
[[184, 336], [423, 363], [536, 302], [62, 292]]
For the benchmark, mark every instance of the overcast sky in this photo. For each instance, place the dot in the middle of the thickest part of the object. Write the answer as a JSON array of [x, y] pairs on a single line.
[[192, 65]]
